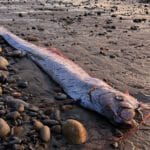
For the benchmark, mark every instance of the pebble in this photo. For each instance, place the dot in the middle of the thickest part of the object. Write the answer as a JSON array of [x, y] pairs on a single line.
[[56, 129], [50, 122], [37, 124], [17, 130], [60, 96], [67, 107], [115, 145], [13, 115], [16, 94], [20, 15], [1, 91], [22, 84], [17, 53], [56, 115], [45, 133], [13, 102], [1, 49], [4, 128], [3, 63], [2, 112], [134, 27], [33, 108], [20, 108], [14, 140], [74, 131], [3, 76]]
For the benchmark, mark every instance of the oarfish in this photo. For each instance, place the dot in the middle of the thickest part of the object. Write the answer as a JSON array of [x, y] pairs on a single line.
[[91, 93]]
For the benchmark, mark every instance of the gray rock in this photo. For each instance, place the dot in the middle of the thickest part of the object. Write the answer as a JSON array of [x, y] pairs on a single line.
[[13, 115], [13, 102], [56, 114], [56, 129], [17, 53], [50, 122], [60, 96]]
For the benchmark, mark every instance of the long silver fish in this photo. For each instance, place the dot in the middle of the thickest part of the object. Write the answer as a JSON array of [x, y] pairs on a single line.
[[91, 93]]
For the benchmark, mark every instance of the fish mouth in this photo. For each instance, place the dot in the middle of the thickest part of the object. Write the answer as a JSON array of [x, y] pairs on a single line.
[[126, 118]]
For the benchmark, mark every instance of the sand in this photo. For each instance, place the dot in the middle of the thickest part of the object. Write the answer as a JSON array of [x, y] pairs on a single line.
[[109, 39]]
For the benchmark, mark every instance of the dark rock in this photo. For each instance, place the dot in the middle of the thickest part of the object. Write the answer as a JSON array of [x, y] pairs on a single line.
[[50, 122], [134, 27], [22, 84], [138, 20], [60, 96], [20, 15], [56, 129], [56, 115]]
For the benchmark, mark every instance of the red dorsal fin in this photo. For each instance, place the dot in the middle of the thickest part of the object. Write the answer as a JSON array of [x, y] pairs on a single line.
[[56, 51]]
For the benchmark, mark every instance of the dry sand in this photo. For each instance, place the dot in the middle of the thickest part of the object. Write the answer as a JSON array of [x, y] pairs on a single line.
[[109, 39]]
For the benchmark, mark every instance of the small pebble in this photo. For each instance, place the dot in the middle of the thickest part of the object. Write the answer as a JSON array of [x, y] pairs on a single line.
[[67, 107], [13, 102], [13, 115], [3, 63], [74, 131], [4, 128], [56, 129], [17, 130], [17, 53], [20, 108], [33, 108], [45, 133], [1, 49], [60, 96], [16, 94], [50, 122], [22, 84], [115, 145], [2, 112], [14, 140], [37, 124], [56, 115], [3, 76], [1, 91]]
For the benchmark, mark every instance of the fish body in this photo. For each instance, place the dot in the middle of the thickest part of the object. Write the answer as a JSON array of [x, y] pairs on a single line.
[[92, 93]]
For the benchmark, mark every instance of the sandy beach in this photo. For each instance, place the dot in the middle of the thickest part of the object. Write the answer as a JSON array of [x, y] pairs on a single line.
[[108, 39]]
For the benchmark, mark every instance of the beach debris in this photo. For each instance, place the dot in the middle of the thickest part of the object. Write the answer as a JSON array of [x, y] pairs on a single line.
[[74, 131]]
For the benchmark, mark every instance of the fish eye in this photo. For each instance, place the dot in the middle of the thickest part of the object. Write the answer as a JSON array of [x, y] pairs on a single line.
[[119, 97]]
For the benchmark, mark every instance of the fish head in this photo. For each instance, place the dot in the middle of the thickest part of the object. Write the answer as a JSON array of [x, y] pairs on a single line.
[[125, 109]]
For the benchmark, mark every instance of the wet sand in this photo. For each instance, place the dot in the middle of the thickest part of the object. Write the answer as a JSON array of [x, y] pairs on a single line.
[[110, 40]]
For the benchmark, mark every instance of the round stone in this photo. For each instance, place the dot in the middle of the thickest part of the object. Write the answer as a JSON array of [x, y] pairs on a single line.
[[4, 128], [74, 131]]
